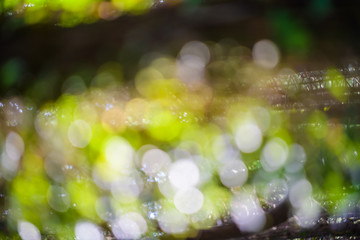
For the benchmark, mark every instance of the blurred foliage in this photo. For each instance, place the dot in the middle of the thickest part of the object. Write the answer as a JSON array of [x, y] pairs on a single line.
[[97, 150], [81, 156], [69, 13], [290, 32]]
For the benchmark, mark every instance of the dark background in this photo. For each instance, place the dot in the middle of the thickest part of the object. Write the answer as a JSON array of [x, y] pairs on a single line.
[[310, 34]]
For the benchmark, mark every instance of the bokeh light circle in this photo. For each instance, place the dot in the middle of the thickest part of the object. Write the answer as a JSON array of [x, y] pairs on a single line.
[[189, 200], [248, 137], [233, 173], [184, 173]]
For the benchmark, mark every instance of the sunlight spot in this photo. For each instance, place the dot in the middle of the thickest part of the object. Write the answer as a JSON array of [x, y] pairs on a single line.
[[119, 154], [274, 155], [172, 221], [266, 54], [196, 49], [28, 231], [87, 230], [189, 200], [139, 219], [308, 213], [129, 226], [79, 133], [300, 191], [192, 60], [127, 189], [234, 173], [247, 213], [248, 137], [14, 146], [184, 173], [155, 161], [13, 150]]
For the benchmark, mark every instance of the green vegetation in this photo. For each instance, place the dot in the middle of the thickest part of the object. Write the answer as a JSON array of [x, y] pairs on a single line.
[[69, 13], [216, 133], [111, 153]]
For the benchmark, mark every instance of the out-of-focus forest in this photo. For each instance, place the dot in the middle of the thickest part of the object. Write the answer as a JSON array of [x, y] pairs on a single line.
[[172, 119], [311, 35]]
